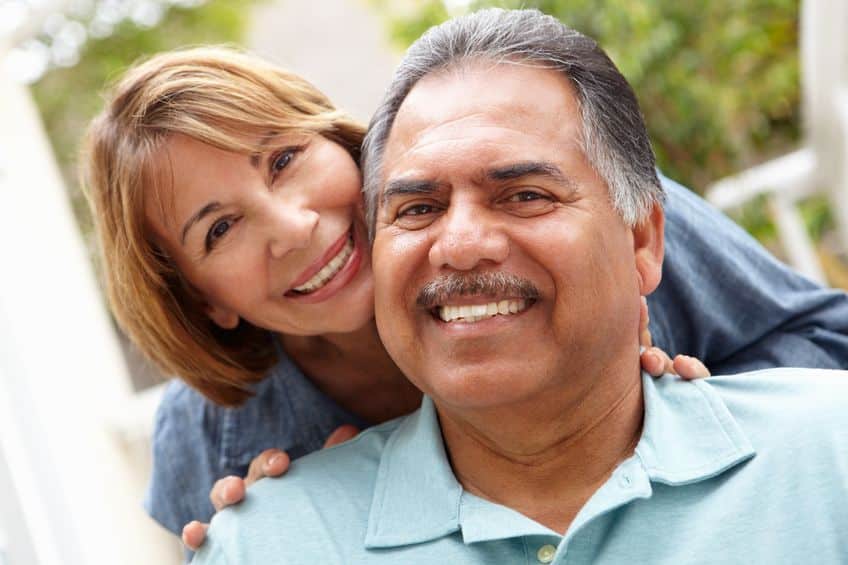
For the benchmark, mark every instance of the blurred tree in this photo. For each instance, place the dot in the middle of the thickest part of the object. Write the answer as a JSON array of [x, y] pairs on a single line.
[[69, 97], [718, 81]]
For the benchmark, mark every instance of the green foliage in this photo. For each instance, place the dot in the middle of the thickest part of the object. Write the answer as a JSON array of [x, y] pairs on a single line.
[[69, 98], [407, 25], [718, 81]]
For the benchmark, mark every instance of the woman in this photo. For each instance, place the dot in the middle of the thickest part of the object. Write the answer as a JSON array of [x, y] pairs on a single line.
[[226, 196]]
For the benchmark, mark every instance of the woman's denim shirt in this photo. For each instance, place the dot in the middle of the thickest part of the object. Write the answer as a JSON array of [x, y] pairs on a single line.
[[196, 442]]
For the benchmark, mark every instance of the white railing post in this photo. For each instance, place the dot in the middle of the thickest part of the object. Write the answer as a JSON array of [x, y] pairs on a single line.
[[824, 74], [821, 165], [62, 375]]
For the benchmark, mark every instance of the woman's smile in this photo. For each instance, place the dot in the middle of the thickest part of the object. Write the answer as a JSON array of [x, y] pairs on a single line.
[[331, 272]]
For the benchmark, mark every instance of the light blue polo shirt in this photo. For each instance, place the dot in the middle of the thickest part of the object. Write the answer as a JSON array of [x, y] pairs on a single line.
[[747, 469]]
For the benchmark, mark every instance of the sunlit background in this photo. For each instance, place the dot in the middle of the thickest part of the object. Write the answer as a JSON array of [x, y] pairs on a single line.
[[745, 101]]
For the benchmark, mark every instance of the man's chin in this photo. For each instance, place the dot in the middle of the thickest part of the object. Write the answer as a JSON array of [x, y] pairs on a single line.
[[479, 386]]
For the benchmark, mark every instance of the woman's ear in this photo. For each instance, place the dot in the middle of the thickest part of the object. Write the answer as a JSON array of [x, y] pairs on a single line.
[[648, 238], [222, 317]]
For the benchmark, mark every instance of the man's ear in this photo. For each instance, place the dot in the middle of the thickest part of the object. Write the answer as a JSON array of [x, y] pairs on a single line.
[[648, 238], [222, 317]]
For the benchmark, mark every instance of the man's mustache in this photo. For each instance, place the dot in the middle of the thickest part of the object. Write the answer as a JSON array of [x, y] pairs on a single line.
[[495, 284]]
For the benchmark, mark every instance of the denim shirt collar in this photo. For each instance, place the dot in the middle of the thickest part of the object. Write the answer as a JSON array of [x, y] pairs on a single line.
[[688, 436]]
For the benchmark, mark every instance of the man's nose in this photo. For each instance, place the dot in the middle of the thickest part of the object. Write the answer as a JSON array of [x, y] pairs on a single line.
[[469, 235], [289, 227]]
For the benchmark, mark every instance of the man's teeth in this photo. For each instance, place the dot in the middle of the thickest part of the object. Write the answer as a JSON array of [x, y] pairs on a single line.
[[328, 271], [477, 312]]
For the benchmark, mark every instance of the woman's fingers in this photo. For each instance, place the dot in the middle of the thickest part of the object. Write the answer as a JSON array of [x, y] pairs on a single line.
[[656, 362], [194, 534], [645, 339], [269, 463], [226, 492], [689, 367], [341, 435], [231, 490]]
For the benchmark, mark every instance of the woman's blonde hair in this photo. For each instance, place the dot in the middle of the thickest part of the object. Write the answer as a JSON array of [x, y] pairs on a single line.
[[231, 101]]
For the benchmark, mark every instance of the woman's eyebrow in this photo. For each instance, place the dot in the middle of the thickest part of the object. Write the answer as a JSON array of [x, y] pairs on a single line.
[[256, 158], [199, 215]]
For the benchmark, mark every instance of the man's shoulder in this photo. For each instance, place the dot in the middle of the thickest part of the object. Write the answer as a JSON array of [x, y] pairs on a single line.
[[348, 463], [790, 407], [323, 502], [789, 388], [348, 470]]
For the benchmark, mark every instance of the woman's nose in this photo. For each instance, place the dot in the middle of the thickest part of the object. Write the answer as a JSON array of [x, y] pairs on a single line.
[[290, 227]]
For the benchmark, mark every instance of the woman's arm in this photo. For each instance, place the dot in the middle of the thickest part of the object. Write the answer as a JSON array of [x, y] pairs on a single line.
[[725, 300]]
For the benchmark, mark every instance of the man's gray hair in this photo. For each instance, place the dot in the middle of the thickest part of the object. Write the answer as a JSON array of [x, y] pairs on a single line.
[[614, 138]]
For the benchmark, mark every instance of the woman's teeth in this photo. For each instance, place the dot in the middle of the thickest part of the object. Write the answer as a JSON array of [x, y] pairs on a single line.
[[328, 271], [477, 312]]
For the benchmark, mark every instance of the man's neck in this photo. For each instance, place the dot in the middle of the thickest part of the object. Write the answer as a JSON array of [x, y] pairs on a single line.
[[545, 457]]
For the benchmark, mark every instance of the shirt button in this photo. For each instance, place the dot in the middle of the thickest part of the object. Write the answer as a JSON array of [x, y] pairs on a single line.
[[625, 481], [546, 553]]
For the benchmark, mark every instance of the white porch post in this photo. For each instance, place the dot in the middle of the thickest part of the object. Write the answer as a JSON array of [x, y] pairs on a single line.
[[824, 66], [821, 165], [62, 377]]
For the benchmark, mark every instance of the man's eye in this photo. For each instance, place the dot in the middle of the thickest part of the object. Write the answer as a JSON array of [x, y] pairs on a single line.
[[218, 230], [525, 196], [415, 210]]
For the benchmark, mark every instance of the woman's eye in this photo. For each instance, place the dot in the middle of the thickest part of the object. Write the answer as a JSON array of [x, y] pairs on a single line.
[[282, 160], [218, 230]]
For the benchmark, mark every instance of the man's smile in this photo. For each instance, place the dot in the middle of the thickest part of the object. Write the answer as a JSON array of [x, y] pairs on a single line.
[[471, 313]]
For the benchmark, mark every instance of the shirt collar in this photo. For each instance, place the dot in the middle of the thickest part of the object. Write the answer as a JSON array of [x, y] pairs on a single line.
[[688, 436], [416, 495]]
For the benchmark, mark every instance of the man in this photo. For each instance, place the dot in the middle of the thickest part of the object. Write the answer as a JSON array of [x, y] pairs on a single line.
[[517, 221]]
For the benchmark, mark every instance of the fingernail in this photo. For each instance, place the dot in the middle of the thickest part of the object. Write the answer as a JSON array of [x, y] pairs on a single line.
[[274, 460]]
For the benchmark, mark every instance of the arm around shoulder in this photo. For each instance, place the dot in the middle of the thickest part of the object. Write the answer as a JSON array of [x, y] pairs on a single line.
[[727, 301]]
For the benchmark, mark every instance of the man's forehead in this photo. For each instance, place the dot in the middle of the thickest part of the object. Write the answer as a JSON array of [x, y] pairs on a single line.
[[479, 103]]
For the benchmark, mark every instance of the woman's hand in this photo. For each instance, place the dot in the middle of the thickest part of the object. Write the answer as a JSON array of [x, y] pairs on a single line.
[[231, 490], [657, 362]]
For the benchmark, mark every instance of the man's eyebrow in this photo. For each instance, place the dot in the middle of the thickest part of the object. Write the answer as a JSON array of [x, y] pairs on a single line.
[[199, 215], [529, 168], [405, 187]]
